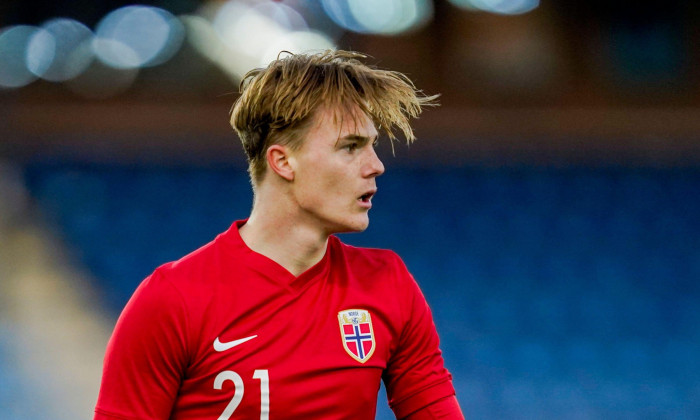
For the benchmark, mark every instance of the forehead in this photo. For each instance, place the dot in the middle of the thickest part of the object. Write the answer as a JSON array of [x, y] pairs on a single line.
[[343, 121]]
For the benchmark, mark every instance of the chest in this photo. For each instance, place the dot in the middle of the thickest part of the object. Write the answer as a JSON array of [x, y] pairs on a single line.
[[265, 352]]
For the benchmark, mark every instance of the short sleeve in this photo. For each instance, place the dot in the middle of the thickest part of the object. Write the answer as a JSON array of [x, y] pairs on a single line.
[[415, 376], [146, 356]]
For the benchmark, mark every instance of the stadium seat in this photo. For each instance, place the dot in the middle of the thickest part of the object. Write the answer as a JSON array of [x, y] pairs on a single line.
[[558, 293]]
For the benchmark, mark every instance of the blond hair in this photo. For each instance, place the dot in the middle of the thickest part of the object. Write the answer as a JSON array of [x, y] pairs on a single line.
[[278, 102]]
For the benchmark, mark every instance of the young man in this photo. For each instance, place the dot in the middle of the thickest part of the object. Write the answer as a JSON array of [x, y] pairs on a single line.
[[276, 318]]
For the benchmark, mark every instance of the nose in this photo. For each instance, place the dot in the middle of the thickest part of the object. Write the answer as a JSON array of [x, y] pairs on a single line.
[[374, 166]]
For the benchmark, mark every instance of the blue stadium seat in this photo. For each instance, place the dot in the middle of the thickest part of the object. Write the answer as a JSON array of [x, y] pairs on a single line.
[[558, 293]]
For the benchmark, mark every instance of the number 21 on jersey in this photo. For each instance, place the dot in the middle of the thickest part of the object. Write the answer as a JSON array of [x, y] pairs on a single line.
[[238, 390]]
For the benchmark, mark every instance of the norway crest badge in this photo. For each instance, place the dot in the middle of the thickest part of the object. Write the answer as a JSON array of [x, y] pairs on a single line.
[[357, 333]]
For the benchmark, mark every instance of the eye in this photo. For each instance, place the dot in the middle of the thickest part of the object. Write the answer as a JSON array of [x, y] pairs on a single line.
[[351, 146]]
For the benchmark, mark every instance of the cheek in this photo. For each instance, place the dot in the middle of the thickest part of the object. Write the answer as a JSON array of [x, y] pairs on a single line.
[[323, 178], [319, 184], [324, 182], [329, 190]]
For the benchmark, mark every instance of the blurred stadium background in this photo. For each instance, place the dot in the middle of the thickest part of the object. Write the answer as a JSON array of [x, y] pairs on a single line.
[[549, 209]]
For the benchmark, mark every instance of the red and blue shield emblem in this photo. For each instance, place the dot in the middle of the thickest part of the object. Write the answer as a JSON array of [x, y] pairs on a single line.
[[357, 333]]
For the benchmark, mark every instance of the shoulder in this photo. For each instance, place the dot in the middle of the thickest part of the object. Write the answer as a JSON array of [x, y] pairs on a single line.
[[381, 270], [201, 265], [183, 288], [373, 258], [185, 265], [194, 278]]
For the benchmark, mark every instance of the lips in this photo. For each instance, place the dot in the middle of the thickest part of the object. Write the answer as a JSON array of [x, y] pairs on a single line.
[[366, 198]]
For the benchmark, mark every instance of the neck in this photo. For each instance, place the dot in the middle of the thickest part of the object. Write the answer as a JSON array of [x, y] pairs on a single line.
[[273, 231]]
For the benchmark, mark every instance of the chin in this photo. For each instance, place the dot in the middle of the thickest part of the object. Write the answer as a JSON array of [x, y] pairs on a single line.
[[361, 223], [361, 228], [350, 226]]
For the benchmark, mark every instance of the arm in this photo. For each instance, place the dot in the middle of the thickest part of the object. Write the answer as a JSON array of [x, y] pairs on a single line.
[[145, 358], [444, 409], [416, 380]]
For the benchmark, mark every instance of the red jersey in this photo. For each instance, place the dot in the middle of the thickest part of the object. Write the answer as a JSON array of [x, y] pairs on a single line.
[[226, 332]]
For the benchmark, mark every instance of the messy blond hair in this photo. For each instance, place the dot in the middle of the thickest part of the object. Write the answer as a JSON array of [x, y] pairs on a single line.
[[278, 102]]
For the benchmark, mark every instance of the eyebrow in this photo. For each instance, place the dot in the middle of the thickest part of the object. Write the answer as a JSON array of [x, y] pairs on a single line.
[[358, 138]]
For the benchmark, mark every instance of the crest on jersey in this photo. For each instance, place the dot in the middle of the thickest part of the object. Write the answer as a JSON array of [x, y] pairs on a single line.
[[357, 334]]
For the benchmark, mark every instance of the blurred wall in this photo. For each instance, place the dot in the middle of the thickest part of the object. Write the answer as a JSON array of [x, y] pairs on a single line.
[[564, 83]]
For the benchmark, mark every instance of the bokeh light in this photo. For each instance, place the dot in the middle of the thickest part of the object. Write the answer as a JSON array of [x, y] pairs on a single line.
[[14, 42], [240, 35], [204, 38], [100, 81], [235, 35], [503, 7], [285, 16], [386, 17], [245, 29], [60, 50], [296, 42], [137, 36]]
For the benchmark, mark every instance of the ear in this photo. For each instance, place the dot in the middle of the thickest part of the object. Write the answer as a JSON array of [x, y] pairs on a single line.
[[278, 157]]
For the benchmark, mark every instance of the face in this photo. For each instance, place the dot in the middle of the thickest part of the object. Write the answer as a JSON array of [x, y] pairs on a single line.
[[335, 171]]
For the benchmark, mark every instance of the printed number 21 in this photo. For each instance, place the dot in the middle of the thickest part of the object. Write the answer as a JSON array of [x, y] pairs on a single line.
[[229, 375]]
